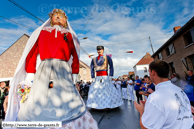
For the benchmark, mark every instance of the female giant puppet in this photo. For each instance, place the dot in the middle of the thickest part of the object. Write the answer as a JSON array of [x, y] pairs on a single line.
[[56, 44]]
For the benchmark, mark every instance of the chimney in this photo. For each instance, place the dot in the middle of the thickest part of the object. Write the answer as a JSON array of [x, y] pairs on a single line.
[[147, 53], [176, 28]]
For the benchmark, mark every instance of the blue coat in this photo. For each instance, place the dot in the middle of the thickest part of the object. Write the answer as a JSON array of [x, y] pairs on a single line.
[[111, 69], [137, 87], [124, 85], [189, 90]]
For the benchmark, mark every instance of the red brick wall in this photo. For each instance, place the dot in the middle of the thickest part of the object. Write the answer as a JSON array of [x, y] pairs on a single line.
[[181, 52], [85, 72]]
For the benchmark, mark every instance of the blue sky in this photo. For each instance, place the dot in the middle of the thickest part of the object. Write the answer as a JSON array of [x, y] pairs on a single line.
[[123, 21]]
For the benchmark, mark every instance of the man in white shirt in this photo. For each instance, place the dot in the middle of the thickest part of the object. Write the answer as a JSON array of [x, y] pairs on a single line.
[[113, 82], [130, 88], [166, 108], [118, 86]]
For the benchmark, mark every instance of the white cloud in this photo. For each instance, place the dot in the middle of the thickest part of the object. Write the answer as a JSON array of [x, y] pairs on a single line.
[[119, 28], [11, 34], [26, 21]]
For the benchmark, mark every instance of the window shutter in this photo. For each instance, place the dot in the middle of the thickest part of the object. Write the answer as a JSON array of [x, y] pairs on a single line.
[[172, 50], [184, 61]]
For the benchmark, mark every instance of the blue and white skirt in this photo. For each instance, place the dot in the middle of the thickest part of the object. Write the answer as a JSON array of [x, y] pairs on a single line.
[[60, 103], [103, 94]]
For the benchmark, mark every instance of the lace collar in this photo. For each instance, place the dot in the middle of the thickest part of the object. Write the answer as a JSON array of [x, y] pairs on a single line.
[[57, 28]]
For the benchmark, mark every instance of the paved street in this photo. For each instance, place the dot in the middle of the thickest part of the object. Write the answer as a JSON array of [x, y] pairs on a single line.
[[124, 117]]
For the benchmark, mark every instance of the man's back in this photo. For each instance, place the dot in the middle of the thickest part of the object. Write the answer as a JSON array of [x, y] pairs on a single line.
[[136, 87], [168, 107]]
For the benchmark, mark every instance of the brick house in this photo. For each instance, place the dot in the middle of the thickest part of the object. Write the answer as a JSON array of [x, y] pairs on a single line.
[[84, 72], [141, 68], [125, 76], [10, 58], [178, 51]]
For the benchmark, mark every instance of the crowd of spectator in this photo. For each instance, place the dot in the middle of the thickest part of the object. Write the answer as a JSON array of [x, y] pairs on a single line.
[[4, 93], [142, 87], [83, 88], [167, 105], [187, 86]]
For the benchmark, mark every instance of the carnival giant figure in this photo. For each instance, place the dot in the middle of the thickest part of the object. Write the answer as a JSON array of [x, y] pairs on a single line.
[[102, 93], [52, 53]]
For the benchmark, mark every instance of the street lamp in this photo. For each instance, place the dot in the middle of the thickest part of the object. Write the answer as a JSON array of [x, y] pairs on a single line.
[[129, 51]]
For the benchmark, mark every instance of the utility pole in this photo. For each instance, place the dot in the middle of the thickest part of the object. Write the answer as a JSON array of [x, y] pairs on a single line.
[[151, 45]]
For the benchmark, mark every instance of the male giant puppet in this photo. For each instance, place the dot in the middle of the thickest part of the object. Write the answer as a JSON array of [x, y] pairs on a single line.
[[102, 93], [57, 47]]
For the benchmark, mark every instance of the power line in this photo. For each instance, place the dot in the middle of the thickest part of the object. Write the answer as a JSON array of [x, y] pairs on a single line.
[[33, 29], [89, 18], [87, 46], [98, 18], [17, 23], [18, 5], [84, 50], [117, 42]]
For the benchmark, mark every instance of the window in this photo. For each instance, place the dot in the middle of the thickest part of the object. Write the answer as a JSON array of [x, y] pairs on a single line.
[[172, 69], [78, 77], [192, 34], [170, 50], [84, 71], [145, 70], [160, 56], [189, 37], [192, 59], [185, 64]]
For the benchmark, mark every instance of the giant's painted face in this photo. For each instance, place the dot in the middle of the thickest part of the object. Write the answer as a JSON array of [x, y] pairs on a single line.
[[100, 52], [58, 19]]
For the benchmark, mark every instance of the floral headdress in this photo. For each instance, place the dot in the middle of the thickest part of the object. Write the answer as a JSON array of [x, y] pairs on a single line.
[[56, 11]]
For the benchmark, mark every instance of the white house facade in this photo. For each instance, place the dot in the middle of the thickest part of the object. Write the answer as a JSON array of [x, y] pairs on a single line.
[[141, 68]]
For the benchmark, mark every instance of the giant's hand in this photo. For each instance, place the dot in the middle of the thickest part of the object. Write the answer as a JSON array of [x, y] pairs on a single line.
[[29, 79], [74, 79], [110, 78]]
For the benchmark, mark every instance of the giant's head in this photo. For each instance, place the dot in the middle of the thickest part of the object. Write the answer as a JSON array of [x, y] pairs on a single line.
[[100, 50], [58, 17]]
